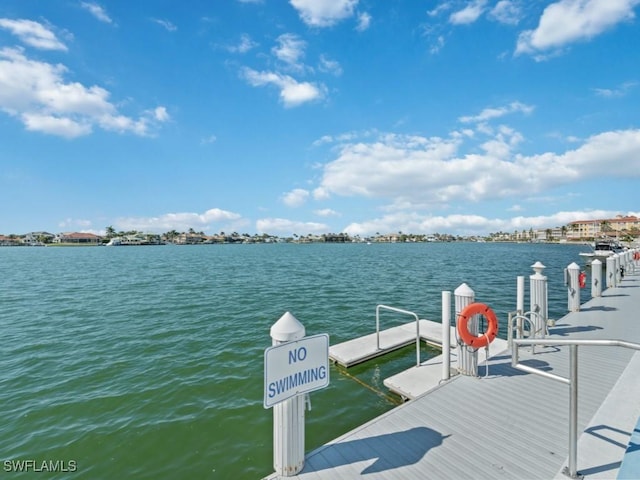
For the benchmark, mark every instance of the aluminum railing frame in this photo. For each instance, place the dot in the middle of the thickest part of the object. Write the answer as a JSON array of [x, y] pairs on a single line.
[[571, 469], [406, 312]]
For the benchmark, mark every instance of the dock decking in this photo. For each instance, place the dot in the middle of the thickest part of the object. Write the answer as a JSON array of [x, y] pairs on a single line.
[[511, 424]]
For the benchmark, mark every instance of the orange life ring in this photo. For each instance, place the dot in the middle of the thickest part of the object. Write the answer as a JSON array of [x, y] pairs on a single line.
[[487, 337]]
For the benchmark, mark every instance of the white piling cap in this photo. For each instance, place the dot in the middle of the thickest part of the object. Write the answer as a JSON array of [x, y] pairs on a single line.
[[596, 262], [574, 266], [538, 267], [464, 290], [287, 329]]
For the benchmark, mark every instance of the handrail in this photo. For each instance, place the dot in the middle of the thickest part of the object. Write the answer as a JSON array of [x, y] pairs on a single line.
[[513, 316], [572, 381], [398, 310]]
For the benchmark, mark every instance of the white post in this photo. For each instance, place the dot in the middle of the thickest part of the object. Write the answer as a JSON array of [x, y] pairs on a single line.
[[573, 288], [520, 294], [538, 299], [617, 276], [628, 262], [596, 278], [467, 357], [519, 304], [611, 267], [288, 416], [446, 335]]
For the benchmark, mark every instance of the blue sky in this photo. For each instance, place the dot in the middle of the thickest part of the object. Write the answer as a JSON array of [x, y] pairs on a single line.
[[318, 116]]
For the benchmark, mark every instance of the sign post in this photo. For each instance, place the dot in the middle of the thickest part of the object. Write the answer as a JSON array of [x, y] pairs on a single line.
[[293, 366]]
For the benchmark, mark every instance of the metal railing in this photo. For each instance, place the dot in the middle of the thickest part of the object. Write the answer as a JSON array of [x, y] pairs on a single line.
[[406, 312], [572, 381], [519, 319]]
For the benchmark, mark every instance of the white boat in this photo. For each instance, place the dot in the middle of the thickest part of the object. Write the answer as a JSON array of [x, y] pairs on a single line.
[[602, 249]]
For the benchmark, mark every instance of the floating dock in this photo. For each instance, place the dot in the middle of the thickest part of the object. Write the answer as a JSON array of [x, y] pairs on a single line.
[[507, 423], [365, 348]]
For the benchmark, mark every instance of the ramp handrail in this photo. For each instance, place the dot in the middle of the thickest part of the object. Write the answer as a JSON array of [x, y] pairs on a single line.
[[572, 381], [406, 312]]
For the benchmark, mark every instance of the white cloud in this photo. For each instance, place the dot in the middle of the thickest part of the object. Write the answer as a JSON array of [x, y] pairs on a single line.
[[282, 226], [508, 12], [37, 93], [443, 7], [419, 223], [246, 44], [292, 92], [62, 127], [324, 13], [166, 24], [568, 21], [33, 34], [209, 139], [491, 113], [329, 66], [461, 224], [289, 49], [364, 21], [620, 91], [97, 11], [326, 212], [431, 171], [296, 197], [161, 114], [436, 45], [468, 14], [177, 221]]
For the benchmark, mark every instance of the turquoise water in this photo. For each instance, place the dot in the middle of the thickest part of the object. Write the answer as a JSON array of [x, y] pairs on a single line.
[[147, 362]]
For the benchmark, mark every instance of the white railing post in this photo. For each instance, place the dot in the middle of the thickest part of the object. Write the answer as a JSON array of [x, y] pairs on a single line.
[[519, 304], [573, 288], [446, 335], [596, 278], [538, 294], [288, 415], [467, 357]]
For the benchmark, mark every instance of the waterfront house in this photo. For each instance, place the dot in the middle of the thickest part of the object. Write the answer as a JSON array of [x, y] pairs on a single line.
[[77, 238]]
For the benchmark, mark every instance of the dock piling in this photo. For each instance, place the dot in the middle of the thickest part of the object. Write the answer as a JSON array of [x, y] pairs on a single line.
[[467, 358], [538, 299], [596, 278], [573, 288], [288, 415]]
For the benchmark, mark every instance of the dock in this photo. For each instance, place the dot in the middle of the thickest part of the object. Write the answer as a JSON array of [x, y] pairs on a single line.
[[365, 348], [507, 423]]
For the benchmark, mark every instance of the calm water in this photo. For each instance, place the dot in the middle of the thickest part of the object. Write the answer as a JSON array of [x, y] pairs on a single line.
[[147, 362]]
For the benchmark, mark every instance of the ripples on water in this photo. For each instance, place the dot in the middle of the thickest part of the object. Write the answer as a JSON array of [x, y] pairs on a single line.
[[147, 362]]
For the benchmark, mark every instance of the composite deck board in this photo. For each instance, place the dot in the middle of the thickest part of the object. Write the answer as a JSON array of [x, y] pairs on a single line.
[[512, 424]]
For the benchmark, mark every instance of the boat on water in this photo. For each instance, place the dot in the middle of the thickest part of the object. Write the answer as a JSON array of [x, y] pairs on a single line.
[[601, 249]]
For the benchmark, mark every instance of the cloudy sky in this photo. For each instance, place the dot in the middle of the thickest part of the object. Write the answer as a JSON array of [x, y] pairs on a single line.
[[318, 116]]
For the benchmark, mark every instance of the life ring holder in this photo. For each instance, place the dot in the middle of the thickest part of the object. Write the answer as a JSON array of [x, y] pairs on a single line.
[[477, 341]]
